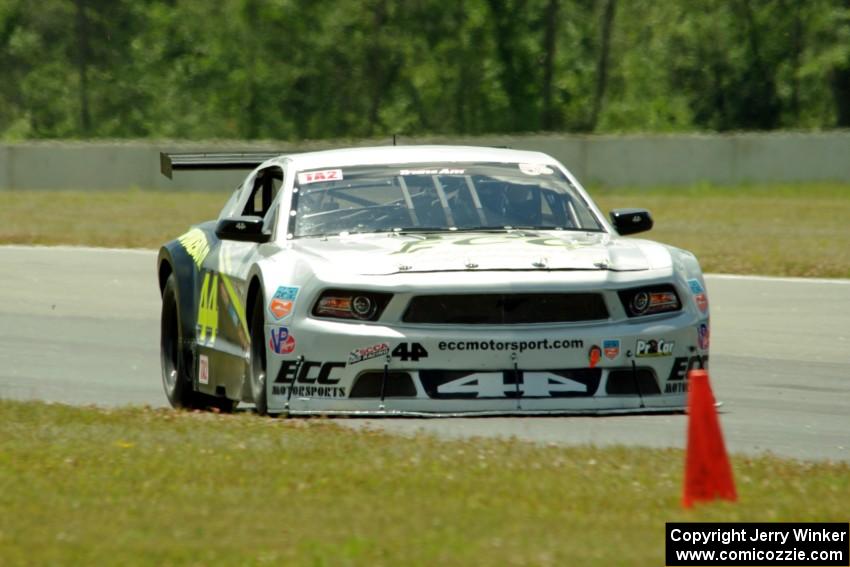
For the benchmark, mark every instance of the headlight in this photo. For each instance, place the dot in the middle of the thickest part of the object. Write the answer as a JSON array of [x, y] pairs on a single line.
[[650, 300], [359, 305]]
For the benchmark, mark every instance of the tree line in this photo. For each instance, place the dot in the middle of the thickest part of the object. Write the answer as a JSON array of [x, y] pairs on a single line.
[[313, 69]]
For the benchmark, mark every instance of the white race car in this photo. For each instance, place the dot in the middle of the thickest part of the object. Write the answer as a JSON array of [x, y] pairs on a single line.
[[424, 280]]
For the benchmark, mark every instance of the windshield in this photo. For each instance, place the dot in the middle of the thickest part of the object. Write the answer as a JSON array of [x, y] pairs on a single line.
[[437, 197]]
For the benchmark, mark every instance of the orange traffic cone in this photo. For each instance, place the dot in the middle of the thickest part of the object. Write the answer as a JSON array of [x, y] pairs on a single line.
[[708, 475]]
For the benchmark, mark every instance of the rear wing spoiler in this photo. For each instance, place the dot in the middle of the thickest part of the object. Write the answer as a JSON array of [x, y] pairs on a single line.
[[169, 163]]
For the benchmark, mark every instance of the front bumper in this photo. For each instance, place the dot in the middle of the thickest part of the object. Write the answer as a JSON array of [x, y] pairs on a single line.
[[454, 371]]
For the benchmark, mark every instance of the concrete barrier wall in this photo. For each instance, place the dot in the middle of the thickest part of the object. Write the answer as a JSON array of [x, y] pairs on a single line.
[[646, 160]]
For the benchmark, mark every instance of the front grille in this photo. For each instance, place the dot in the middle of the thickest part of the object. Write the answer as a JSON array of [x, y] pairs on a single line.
[[471, 384], [631, 382], [506, 309], [397, 385]]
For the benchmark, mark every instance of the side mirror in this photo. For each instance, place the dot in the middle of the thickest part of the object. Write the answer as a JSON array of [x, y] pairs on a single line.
[[631, 221], [242, 229]]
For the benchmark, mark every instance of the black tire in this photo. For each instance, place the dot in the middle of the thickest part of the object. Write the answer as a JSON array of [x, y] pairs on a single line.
[[176, 379], [257, 367], [176, 372]]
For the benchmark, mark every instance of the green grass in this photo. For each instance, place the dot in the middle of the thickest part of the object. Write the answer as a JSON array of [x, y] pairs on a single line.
[[123, 219], [783, 230], [83, 486]]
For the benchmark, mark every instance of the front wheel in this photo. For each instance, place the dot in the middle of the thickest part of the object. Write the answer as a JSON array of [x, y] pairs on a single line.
[[259, 389], [176, 372], [176, 380]]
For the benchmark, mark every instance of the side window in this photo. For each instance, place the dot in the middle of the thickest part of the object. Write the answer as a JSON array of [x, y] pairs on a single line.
[[266, 185]]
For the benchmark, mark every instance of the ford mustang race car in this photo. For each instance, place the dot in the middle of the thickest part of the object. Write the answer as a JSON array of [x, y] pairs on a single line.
[[424, 280]]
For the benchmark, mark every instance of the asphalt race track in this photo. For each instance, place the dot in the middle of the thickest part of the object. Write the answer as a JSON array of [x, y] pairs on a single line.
[[81, 326]]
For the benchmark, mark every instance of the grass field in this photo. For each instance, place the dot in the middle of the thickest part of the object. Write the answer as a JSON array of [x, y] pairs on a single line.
[[787, 230], [82, 486]]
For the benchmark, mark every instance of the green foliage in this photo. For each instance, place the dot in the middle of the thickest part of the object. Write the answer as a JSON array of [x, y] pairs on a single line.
[[312, 69]]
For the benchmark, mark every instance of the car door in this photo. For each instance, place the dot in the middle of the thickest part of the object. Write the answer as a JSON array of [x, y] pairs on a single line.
[[222, 330]]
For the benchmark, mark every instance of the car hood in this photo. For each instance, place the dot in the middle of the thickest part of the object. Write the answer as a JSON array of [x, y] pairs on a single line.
[[384, 254]]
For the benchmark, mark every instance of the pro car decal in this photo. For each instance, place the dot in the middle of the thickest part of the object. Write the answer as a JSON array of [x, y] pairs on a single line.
[[196, 245], [281, 341], [654, 347], [203, 369], [317, 176], [447, 384], [611, 348], [282, 301], [367, 353], [208, 309], [700, 296]]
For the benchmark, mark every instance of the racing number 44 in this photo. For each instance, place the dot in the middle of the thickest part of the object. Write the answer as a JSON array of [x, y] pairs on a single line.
[[208, 308], [410, 351]]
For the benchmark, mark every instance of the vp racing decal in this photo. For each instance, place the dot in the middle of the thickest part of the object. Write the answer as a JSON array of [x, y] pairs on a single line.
[[281, 341]]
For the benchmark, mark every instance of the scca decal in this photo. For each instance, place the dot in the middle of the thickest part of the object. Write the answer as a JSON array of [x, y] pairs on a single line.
[[314, 379], [367, 353], [676, 383]]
